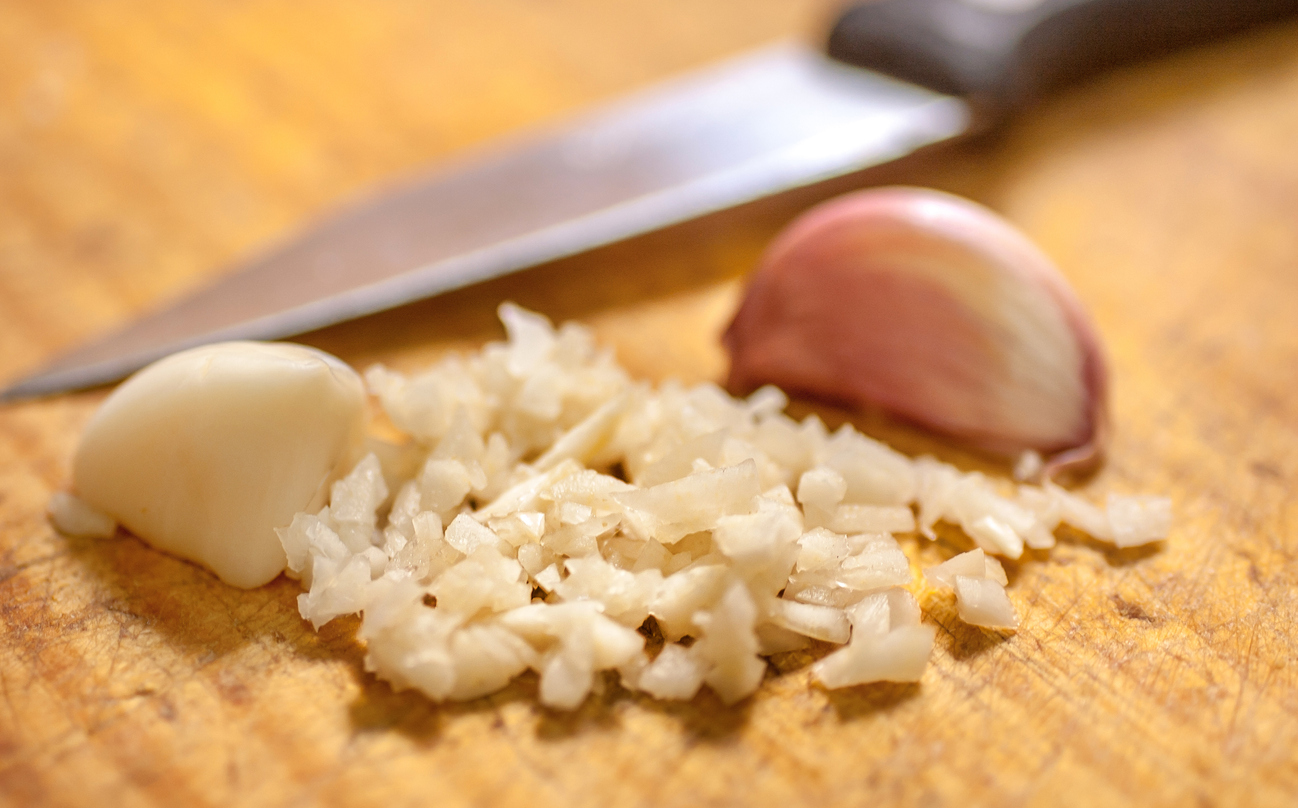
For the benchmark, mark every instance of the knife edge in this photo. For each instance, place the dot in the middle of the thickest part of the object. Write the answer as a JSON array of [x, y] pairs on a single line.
[[853, 119]]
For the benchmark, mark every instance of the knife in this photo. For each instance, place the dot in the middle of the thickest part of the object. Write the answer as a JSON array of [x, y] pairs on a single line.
[[900, 75]]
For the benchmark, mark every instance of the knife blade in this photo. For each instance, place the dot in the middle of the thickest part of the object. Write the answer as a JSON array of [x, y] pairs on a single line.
[[899, 75]]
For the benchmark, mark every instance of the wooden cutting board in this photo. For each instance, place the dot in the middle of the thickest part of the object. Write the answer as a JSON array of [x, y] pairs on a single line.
[[144, 143]]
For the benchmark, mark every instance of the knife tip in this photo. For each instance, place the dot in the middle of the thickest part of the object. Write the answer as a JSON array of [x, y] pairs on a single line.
[[22, 390]]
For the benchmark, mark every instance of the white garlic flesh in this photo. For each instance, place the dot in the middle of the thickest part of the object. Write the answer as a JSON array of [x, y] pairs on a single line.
[[931, 307], [979, 583], [73, 517], [204, 453]]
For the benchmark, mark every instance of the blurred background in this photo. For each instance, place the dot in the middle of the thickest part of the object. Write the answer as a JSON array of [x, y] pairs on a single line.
[[146, 145]]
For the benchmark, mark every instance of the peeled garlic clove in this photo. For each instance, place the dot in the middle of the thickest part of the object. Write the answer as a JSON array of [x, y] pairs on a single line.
[[933, 308], [203, 454], [983, 602]]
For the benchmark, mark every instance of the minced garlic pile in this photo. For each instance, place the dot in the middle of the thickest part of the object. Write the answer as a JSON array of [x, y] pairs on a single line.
[[546, 508]]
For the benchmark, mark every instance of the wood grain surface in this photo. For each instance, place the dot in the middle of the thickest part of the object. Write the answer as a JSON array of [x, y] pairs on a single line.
[[144, 144]]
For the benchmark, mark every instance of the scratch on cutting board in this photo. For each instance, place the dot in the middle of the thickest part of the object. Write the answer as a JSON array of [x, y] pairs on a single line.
[[1132, 611], [8, 571], [1243, 683]]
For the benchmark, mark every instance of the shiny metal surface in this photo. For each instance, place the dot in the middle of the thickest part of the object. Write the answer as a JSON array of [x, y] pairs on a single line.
[[776, 119]]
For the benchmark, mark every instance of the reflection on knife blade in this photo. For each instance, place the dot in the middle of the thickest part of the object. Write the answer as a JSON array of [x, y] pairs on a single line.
[[776, 119]]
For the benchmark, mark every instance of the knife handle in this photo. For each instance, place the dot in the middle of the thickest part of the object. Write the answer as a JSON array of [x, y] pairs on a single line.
[[1003, 54]]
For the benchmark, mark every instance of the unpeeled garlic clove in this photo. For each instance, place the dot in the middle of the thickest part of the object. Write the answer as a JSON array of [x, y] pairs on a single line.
[[933, 308], [204, 453]]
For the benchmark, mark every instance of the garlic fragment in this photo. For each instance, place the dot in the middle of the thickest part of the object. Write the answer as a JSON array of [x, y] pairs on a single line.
[[204, 453], [888, 643], [931, 307], [73, 517], [1138, 520], [979, 583]]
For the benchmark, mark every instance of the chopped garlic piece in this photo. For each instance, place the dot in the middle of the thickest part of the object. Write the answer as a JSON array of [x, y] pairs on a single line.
[[899, 655], [551, 508], [983, 602], [1138, 520], [979, 583], [973, 564], [676, 674], [73, 517]]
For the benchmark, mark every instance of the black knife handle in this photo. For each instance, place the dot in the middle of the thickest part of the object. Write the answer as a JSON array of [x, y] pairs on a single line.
[[1003, 54]]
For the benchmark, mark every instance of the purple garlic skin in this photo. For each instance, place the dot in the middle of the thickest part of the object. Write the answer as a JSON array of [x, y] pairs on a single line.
[[935, 309]]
